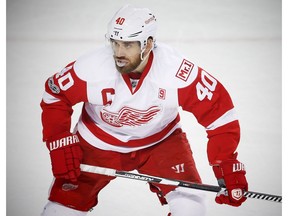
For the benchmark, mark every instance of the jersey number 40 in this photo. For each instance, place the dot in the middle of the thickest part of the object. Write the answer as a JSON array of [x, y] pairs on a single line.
[[206, 87]]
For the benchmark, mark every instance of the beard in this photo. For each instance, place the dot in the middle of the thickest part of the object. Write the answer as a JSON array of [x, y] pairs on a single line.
[[129, 67]]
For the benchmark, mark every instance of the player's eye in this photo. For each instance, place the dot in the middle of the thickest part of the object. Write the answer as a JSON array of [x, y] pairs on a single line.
[[128, 45], [113, 42]]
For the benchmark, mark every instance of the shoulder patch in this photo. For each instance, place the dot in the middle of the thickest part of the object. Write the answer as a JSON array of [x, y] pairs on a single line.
[[184, 70], [54, 88]]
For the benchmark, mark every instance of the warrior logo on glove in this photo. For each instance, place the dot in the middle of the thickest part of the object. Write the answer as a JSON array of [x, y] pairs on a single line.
[[65, 141], [238, 167]]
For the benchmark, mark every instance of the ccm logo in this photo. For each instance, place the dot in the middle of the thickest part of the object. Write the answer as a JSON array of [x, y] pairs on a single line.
[[185, 69]]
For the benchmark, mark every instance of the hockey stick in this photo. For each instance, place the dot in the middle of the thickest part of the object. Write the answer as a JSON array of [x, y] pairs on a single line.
[[174, 182]]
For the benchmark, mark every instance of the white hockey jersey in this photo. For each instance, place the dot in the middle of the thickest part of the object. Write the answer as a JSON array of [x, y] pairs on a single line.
[[124, 114]]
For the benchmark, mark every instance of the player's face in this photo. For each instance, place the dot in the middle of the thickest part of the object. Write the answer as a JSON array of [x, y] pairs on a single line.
[[126, 55]]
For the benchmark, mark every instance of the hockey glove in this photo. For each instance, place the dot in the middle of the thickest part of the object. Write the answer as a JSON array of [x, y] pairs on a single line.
[[231, 175], [66, 156]]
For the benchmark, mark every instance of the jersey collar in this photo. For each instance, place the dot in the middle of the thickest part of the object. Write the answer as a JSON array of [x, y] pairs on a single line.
[[127, 77]]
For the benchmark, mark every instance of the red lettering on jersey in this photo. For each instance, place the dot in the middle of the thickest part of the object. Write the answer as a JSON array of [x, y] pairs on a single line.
[[184, 70], [107, 95]]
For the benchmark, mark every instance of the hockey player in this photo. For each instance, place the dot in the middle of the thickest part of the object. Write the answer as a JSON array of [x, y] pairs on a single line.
[[131, 91]]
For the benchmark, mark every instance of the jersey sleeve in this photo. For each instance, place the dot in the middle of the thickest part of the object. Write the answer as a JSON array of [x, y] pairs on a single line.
[[213, 108], [62, 91]]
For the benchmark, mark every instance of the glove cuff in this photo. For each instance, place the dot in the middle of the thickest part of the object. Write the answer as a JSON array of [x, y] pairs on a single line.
[[217, 172], [232, 166]]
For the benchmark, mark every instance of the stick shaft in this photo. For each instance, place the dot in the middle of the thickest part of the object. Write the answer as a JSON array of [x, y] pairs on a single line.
[[174, 182]]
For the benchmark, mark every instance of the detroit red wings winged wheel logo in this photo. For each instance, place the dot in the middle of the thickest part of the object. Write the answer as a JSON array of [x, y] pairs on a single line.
[[129, 116]]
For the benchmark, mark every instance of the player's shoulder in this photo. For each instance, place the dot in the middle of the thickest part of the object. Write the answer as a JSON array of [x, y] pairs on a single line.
[[172, 67], [95, 65], [166, 52]]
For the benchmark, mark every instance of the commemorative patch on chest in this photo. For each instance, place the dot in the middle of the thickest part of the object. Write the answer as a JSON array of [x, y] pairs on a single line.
[[185, 70]]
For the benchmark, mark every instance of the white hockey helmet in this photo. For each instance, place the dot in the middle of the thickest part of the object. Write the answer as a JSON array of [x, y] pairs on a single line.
[[132, 24]]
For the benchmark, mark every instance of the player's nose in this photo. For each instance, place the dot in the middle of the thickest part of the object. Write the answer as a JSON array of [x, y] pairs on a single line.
[[119, 51]]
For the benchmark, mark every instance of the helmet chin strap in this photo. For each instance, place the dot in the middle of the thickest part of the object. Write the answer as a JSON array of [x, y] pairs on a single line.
[[142, 57]]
